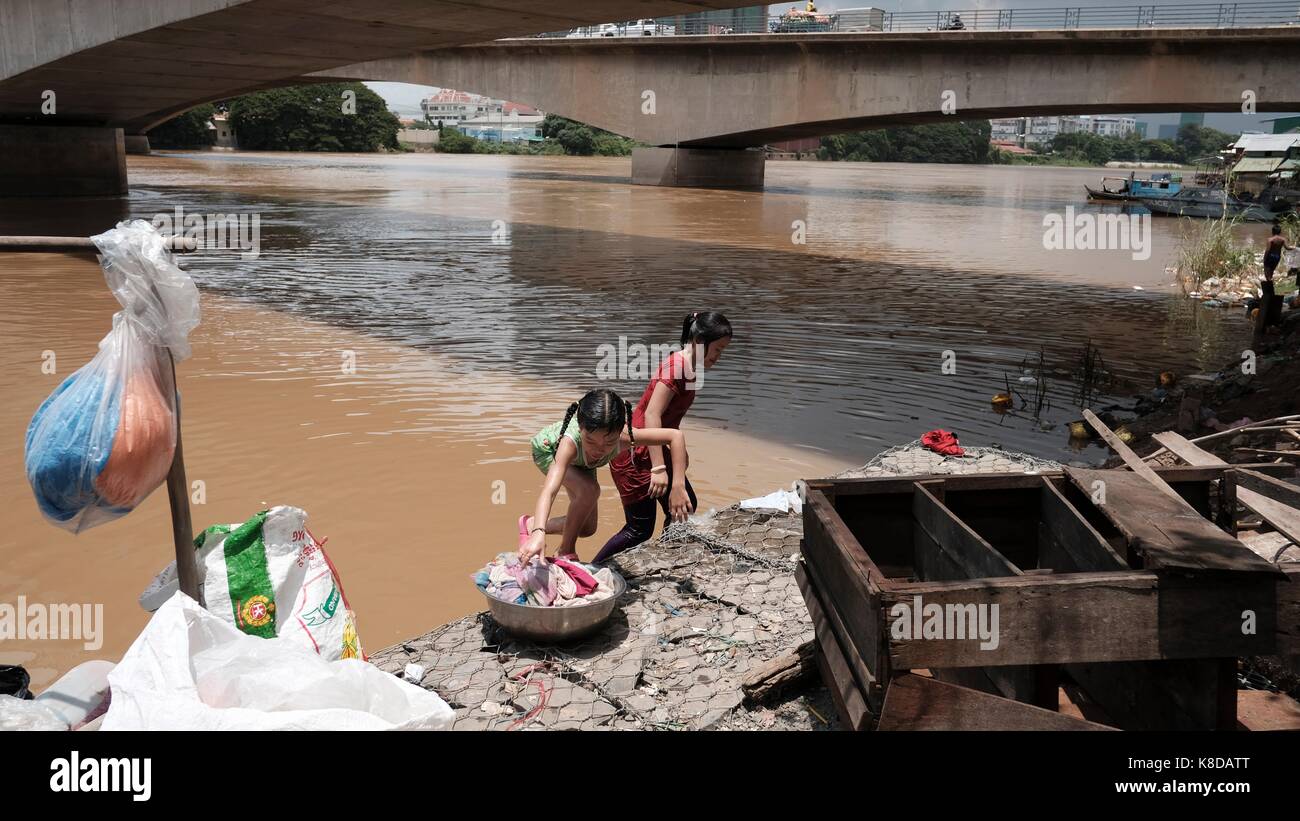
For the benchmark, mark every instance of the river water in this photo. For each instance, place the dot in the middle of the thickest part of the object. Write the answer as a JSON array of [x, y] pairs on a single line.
[[479, 295]]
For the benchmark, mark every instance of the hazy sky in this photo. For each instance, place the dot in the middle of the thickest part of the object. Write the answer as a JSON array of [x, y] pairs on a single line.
[[405, 98]]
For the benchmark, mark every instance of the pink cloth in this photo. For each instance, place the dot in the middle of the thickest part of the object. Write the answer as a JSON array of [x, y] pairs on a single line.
[[585, 582]]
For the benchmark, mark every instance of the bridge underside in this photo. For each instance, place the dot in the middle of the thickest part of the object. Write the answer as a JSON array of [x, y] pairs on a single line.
[[740, 91], [115, 68]]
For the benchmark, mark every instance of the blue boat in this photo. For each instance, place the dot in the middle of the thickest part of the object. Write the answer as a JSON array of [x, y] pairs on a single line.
[[1132, 189]]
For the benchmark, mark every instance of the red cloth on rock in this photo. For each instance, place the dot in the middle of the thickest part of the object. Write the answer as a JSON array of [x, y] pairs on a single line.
[[942, 442]]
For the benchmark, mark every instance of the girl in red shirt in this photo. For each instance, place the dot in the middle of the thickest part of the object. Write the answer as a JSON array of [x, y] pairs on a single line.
[[643, 474]]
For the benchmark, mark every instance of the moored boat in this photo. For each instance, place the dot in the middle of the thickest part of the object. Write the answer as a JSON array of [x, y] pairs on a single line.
[[1132, 189], [1212, 203]]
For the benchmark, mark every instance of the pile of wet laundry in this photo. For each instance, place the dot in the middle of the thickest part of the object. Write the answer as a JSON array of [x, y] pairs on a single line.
[[544, 582]]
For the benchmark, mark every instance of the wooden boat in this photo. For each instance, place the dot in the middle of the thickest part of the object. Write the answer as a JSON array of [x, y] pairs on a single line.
[[1132, 189], [1133, 603]]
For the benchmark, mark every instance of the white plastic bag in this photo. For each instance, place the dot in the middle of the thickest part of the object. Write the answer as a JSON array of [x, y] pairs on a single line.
[[25, 714], [103, 440], [269, 577], [779, 500], [189, 670]]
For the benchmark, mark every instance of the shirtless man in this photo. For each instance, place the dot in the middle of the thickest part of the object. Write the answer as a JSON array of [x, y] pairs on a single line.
[[1273, 252]]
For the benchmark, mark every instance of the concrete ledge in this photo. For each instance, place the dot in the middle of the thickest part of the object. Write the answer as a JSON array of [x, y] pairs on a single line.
[[62, 161], [698, 167]]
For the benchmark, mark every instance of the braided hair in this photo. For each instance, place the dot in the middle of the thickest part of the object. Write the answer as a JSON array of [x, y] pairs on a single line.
[[601, 409]]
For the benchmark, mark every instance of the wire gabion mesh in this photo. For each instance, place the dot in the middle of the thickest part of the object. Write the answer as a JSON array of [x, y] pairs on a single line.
[[913, 459], [709, 602]]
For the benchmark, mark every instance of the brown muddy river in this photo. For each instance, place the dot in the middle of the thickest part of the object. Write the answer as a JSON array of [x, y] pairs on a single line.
[[475, 294]]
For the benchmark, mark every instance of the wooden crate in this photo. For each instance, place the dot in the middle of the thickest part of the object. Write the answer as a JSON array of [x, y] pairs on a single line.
[[1138, 602]]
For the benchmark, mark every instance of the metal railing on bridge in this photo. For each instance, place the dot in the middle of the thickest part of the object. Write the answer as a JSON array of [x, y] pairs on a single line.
[[799, 20]]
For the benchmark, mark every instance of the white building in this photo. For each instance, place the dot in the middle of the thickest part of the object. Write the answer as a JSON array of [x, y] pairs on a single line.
[[225, 132], [1008, 129], [1108, 126], [451, 107], [511, 127], [1042, 130]]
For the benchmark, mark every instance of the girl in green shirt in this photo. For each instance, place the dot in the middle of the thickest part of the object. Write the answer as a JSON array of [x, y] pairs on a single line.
[[570, 452]]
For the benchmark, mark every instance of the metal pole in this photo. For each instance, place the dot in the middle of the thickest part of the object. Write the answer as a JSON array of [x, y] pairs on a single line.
[[72, 245]]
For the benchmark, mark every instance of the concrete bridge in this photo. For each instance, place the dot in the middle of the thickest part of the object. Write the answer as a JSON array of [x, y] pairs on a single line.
[[77, 76], [701, 99], [118, 67]]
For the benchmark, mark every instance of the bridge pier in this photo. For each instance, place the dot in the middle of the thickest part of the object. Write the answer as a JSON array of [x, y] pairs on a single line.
[[698, 167], [137, 144], [62, 161]]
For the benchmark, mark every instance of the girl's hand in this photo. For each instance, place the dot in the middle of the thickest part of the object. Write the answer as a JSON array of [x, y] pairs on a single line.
[[658, 484], [679, 504], [535, 546]]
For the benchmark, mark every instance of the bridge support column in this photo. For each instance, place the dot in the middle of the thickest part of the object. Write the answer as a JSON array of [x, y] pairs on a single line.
[[698, 167], [61, 161], [137, 144]]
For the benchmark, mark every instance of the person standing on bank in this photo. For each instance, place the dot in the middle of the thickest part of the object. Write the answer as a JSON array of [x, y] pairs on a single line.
[[643, 473], [1273, 252]]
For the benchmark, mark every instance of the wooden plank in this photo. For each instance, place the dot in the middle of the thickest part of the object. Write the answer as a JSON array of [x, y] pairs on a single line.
[[1083, 547], [1165, 531], [1112, 616], [867, 682], [1185, 450], [1130, 458], [1173, 474], [1281, 454], [849, 585], [788, 670], [1227, 518], [1259, 710], [917, 703], [1275, 489], [1272, 499], [832, 665], [963, 548], [947, 549]]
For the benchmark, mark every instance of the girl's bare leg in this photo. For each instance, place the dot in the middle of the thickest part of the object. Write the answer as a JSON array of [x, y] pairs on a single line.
[[556, 524], [580, 519]]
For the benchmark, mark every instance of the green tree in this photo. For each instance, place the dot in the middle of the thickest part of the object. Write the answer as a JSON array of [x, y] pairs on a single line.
[[314, 118], [454, 141], [583, 140], [966, 142], [192, 129], [1197, 141]]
